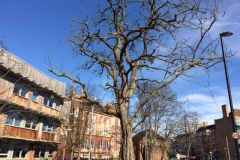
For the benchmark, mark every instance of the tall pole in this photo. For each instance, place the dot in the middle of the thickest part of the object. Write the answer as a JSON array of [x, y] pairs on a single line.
[[146, 146], [226, 153], [227, 148], [226, 34]]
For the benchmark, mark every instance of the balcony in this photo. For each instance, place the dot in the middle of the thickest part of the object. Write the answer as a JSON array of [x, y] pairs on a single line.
[[21, 101], [21, 133], [28, 134], [48, 136]]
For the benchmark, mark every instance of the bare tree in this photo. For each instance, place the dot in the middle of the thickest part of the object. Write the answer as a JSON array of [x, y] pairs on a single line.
[[75, 123], [128, 40], [160, 115], [189, 121]]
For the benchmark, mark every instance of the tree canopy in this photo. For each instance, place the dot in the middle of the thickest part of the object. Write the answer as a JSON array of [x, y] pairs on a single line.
[[138, 41]]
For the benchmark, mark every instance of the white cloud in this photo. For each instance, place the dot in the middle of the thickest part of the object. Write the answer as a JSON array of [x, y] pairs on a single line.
[[209, 106], [219, 24]]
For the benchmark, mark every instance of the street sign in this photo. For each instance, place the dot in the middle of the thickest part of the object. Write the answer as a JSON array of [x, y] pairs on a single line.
[[235, 135]]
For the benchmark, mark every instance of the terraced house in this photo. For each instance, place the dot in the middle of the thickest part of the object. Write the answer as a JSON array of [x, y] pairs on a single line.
[[30, 110]]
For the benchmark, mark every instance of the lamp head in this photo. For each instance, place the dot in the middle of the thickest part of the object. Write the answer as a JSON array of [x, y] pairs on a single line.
[[226, 34]]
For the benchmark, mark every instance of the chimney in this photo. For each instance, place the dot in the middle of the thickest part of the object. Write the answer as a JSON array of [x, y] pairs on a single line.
[[205, 124], [225, 111], [198, 126]]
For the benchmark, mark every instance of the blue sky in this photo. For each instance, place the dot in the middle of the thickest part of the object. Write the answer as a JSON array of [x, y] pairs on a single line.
[[37, 30]]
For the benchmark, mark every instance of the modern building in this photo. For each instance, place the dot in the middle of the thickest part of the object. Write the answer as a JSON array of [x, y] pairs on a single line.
[[101, 131], [30, 110]]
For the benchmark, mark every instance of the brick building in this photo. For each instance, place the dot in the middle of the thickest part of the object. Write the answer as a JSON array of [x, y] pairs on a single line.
[[101, 132], [206, 142], [224, 133], [145, 141], [179, 146], [30, 110], [212, 141]]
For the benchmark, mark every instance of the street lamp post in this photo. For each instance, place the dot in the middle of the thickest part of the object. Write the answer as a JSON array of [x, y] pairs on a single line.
[[146, 146], [226, 153], [227, 34]]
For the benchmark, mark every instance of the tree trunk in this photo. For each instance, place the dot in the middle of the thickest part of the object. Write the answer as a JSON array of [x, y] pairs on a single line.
[[150, 154], [127, 144]]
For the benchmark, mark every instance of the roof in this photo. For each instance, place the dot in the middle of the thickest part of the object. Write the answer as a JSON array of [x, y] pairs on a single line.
[[213, 126], [140, 135], [25, 70]]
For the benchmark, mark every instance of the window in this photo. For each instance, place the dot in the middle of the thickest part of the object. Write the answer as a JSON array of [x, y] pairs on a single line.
[[55, 104], [30, 122], [107, 131], [21, 120], [51, 102], [112, 144], [101, 130], [101, 119], [48, 126], [106, 145], [20, 90], [76, 111], [113, 121], [13, 118], [40, 152], [118, 146], [92, 145], [107, 120], [94, 117], [100, 145], [19, 151], [50, 152], [93, 129], [47, 101], [119, 122], [85, 143], [4, 148], [34, 95]]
